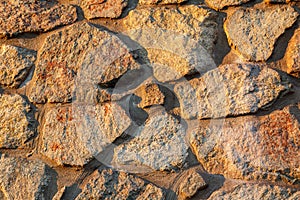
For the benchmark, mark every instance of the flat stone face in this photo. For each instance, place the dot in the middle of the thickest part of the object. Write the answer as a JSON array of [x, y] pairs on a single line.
[[254, 191], [74, 134], [293, 55], [33, 16], [15, 63], [103, 8], [250, 147], [232, 89], [23, 179], [253, 32], [219, 4], [109, 184], [186, 34], [159, 145], [162, 2], [76, 61], [17, 121]]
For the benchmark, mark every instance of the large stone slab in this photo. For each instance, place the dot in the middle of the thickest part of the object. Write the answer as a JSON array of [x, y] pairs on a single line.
[[33, 16], [72, 135], [17, 121], [23, 179], [159, 144], [179, 41], [76, 62], [252, 32], [219, 4], [292, 56], [15, 63], [162, 2], [109, 184], [250, 147], [103, 8], [229, 90], [254, 191]]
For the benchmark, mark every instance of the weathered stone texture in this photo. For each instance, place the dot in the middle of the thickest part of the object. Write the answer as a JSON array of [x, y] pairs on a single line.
[[252, 32], [76, 61], [162, 2], [17, 121], [232, 89], [159, 144], [219, 4], [74, 134], [250, 147], [23, 179], [292, 56], [254, 191], [15, 63], [109, 184], [150, 95], [186, 34], [33, 16], [103, 8]]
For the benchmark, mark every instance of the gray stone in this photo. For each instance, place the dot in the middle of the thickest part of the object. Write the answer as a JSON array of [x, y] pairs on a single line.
[[76, 62], [220, 4], [15, 63], [74, 134], [18, 16], [179, 41], [23, 179], [252, 32], [292, 56], [232, 89], [17, 121], [109, 184], [162, 2], [103, 8], [250, 148], [159, 144], [253, 192]]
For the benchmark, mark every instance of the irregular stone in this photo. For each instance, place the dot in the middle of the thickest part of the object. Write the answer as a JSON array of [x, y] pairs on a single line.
[[15, 63], [162, 2], [253, 32], [103, 8], [191, 183], [17, 121], [72, 135], [229, 90], [179, 41], [79, 60], [159, 144], [250, 147], [219, 4], [280, 1], [253, 191], [33, 16], [150, 95], [292, 56], [109, 184], [23, 179]]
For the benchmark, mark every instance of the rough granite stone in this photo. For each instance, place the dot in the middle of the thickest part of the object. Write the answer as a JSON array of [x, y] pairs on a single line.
[[253, 192], [17, 121], [179, 41], [159, 144], [108, 184], [229, 90], [250, 148], [15, 63], [76, 62], [219, 4], [281, 1], [292, 56], [150, 95], [74, 134], [18, 16], [252, 32], [23, 179], [103, 8], [161, 2]]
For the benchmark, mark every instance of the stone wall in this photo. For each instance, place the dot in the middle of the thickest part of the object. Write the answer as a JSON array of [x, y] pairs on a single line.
[[149, 99]]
